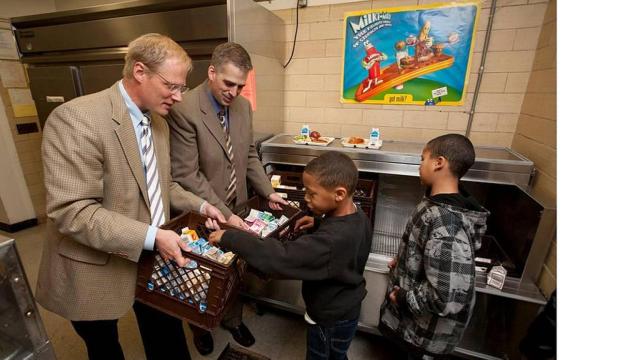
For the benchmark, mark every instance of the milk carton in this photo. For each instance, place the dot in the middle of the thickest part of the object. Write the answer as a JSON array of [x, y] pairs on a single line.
[[305, 131], [497, 276], [374, 136]]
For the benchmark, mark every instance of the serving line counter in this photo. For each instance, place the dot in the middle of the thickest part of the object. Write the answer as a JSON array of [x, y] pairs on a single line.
[[519, 232], [22, 332], [493, 164]]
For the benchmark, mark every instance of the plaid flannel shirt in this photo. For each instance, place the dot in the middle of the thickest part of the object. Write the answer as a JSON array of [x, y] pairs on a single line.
[[436, 273]]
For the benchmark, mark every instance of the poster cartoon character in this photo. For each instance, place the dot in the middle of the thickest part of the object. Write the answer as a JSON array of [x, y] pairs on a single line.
[[371, 62], [424, 43], [432, 45]]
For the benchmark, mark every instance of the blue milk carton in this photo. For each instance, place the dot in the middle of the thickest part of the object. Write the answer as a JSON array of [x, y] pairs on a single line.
[[374, 136], [305, 131]]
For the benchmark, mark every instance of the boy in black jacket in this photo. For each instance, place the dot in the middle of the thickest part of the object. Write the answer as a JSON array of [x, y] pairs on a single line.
[[329, 260]]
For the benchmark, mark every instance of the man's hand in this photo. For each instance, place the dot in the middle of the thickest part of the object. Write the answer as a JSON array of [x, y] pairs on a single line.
[[392, 264], [393, 295], [214, 237], [168, 245], [214, 216], [275, 201], [304, 223], [237, 221]]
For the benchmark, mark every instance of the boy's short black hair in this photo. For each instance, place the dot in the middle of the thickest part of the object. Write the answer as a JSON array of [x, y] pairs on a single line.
[[333, 169], [457, 149]]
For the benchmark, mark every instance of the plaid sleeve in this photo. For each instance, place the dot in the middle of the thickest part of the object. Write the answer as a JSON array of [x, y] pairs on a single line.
[[447, 263]]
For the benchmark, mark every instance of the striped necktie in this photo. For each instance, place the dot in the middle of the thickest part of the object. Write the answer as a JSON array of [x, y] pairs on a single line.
[[151, 170], [230, 197]]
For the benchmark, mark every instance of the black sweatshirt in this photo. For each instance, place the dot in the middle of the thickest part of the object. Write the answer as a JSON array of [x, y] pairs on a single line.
[[329, 261]]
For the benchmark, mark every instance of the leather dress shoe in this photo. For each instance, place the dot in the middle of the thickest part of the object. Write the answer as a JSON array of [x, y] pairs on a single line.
[[242, 335], [203, 342]]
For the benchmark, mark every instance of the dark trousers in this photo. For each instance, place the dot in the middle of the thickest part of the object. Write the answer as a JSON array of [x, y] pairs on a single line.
[[330, 343], [162, 336]]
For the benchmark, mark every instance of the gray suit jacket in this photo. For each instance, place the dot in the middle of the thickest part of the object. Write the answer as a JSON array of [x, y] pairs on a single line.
[[98, 206], [199, 161]]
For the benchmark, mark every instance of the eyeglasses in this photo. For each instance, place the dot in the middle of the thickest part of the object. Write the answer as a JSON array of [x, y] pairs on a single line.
[[173, 88]]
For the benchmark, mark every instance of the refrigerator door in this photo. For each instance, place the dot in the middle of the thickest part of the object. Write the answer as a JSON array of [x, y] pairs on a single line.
[[52, 86], [97, 77], [199, 72]]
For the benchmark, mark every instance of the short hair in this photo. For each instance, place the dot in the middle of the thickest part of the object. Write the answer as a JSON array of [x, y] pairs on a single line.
[[233, 53], [457, 149], [153, 50], [333, 169]]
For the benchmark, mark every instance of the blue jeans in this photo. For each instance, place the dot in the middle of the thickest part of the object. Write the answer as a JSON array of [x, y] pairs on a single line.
[[324, 343]]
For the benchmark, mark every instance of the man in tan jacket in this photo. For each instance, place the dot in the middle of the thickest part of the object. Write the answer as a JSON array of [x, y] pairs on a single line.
[[213, 154], [109, 187]]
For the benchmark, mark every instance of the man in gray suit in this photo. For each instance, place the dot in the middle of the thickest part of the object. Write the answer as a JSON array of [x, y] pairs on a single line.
[[109, 188], [213, 154]]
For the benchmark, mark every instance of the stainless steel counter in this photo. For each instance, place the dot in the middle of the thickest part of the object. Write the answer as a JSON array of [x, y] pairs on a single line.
[[22, 332], [493, 164]]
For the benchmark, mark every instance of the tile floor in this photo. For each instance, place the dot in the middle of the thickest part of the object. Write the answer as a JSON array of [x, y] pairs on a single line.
[[279, 335]]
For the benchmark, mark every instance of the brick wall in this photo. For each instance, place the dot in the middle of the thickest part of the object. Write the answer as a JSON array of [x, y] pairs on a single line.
[[535, 135], [28, 149], [312, 82]]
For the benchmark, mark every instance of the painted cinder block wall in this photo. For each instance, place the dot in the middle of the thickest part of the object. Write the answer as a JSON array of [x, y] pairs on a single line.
[[535, 135], [312, 83]]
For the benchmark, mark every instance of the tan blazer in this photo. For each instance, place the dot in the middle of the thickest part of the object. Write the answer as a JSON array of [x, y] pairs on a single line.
[[98, 206], [199, 160]]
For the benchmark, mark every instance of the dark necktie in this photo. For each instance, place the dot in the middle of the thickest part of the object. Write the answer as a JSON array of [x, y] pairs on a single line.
[[231, 188]]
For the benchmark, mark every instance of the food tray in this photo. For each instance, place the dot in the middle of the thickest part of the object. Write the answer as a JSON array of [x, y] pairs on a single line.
[[198, 293], [309, 142], [365, 145]]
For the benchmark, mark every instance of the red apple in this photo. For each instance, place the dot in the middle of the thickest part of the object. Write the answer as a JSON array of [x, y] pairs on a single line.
[[314, 135]]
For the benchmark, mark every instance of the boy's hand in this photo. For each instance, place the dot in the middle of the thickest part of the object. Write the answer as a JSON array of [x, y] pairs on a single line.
[[393, 295], [392, 264], [214, 237], [304, 223]]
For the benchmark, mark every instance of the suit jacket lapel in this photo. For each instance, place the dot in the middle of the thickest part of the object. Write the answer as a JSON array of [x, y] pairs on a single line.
[[210, 118], [127, 137]]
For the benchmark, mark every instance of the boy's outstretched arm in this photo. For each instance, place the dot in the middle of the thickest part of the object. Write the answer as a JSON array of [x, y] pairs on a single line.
[[306, 258]]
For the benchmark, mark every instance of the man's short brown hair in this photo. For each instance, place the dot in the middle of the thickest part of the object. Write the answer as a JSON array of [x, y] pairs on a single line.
[[233, 53], [153, 50]]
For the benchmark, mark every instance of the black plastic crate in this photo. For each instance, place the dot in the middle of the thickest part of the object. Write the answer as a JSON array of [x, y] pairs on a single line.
[[199, 293], [364, 197]]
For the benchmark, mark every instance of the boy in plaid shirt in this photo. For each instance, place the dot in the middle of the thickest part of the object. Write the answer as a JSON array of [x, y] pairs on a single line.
[[430, 295]]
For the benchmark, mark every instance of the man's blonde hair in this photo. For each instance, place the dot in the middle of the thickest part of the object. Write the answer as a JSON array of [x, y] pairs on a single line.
[[153, 50]]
